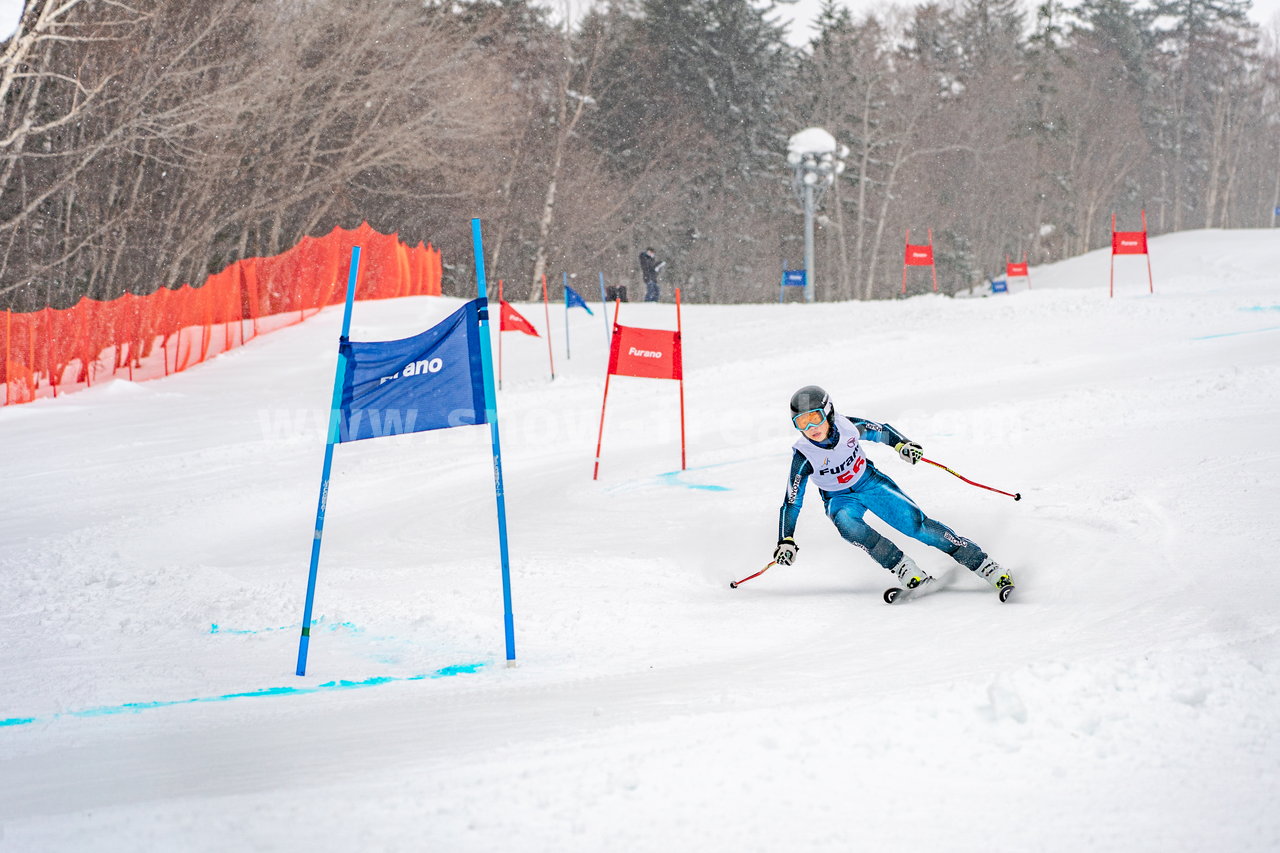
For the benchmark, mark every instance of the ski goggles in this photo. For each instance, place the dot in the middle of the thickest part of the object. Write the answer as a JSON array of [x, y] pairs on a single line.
[[804, 420]]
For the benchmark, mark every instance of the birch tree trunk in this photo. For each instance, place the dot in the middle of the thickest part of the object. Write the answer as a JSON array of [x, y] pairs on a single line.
[[566, 121]]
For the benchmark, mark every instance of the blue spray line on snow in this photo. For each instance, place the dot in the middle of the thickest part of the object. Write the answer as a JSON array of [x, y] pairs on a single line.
[[136, 707], [320, 624], [215, 628], [672, 478], [1234, 334]]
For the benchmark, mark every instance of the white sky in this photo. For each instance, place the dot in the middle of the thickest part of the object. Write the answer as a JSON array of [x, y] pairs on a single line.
[[10, 11]]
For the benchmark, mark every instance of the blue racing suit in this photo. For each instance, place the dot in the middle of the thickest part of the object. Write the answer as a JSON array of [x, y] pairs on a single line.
[[851, 485]]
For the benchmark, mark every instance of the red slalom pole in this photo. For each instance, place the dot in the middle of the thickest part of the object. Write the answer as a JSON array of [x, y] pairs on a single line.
[[617, 303], [546, 309], [1111, 292], [1016, 497], [734, 584], [500, 334], [680, 354]]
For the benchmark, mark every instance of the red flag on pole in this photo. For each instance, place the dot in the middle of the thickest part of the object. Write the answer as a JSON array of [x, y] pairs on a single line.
[[648, 353], [513, 322], [918, 255], [1013, 268], [1130, 243], [654, 353]]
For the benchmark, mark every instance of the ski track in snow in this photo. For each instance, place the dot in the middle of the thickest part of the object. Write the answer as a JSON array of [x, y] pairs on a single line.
[[1128, 698]]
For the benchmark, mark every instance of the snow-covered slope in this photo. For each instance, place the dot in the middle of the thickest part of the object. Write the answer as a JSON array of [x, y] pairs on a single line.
[[155, 542]]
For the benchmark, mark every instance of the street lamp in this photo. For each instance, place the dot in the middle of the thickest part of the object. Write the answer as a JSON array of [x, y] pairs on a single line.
[[815, 160]]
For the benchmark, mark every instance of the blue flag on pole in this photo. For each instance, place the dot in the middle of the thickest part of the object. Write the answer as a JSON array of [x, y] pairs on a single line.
[[434, 380], [572, 298]]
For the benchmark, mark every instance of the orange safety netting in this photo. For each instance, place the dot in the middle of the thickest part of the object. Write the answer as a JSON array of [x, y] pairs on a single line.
[[46, 351]]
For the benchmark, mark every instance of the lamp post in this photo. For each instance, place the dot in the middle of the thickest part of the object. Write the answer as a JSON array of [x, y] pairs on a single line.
[[815, 160]]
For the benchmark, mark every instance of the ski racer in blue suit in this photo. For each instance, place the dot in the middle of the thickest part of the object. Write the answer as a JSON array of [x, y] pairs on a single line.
[[830, 454]]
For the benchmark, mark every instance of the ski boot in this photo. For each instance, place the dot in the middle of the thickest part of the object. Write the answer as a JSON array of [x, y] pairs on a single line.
[[909, 574], [998, 577], [911, 578]]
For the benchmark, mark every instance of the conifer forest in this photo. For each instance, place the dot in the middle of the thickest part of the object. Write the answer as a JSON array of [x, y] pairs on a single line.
[[151, 143]]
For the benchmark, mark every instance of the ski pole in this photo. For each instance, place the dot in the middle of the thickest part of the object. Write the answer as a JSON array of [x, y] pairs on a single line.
[[1016, 497], [734, 584]]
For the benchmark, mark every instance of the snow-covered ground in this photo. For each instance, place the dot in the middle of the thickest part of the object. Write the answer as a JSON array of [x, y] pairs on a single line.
[[155, 540]]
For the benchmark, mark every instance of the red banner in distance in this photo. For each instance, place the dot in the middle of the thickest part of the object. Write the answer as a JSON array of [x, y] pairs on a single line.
[[1128, 242], [919, 256]]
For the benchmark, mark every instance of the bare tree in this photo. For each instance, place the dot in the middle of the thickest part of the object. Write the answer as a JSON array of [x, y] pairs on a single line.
[[571, 96], [230, 127]]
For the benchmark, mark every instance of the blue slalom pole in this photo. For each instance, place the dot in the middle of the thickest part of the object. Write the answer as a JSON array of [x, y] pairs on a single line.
[[491, 415], [564, 284], [608, 335], [335, 411]]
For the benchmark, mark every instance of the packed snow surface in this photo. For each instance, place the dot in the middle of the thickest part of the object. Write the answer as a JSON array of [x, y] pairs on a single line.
[[156, 538]]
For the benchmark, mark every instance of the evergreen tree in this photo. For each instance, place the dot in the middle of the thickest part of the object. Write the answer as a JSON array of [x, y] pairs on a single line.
[[1119, 28], [1045, 122], [727, 63], [930, 41], [989, 32], [1205, 55], [697, 88]]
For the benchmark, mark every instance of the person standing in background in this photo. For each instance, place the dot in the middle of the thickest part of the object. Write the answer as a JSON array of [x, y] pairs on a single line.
[[650, 266]]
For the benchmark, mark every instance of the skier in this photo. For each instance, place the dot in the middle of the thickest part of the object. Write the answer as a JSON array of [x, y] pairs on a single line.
[[830, 453]]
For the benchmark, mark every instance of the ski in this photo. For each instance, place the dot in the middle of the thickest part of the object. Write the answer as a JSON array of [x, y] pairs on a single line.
[[898, 594]]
